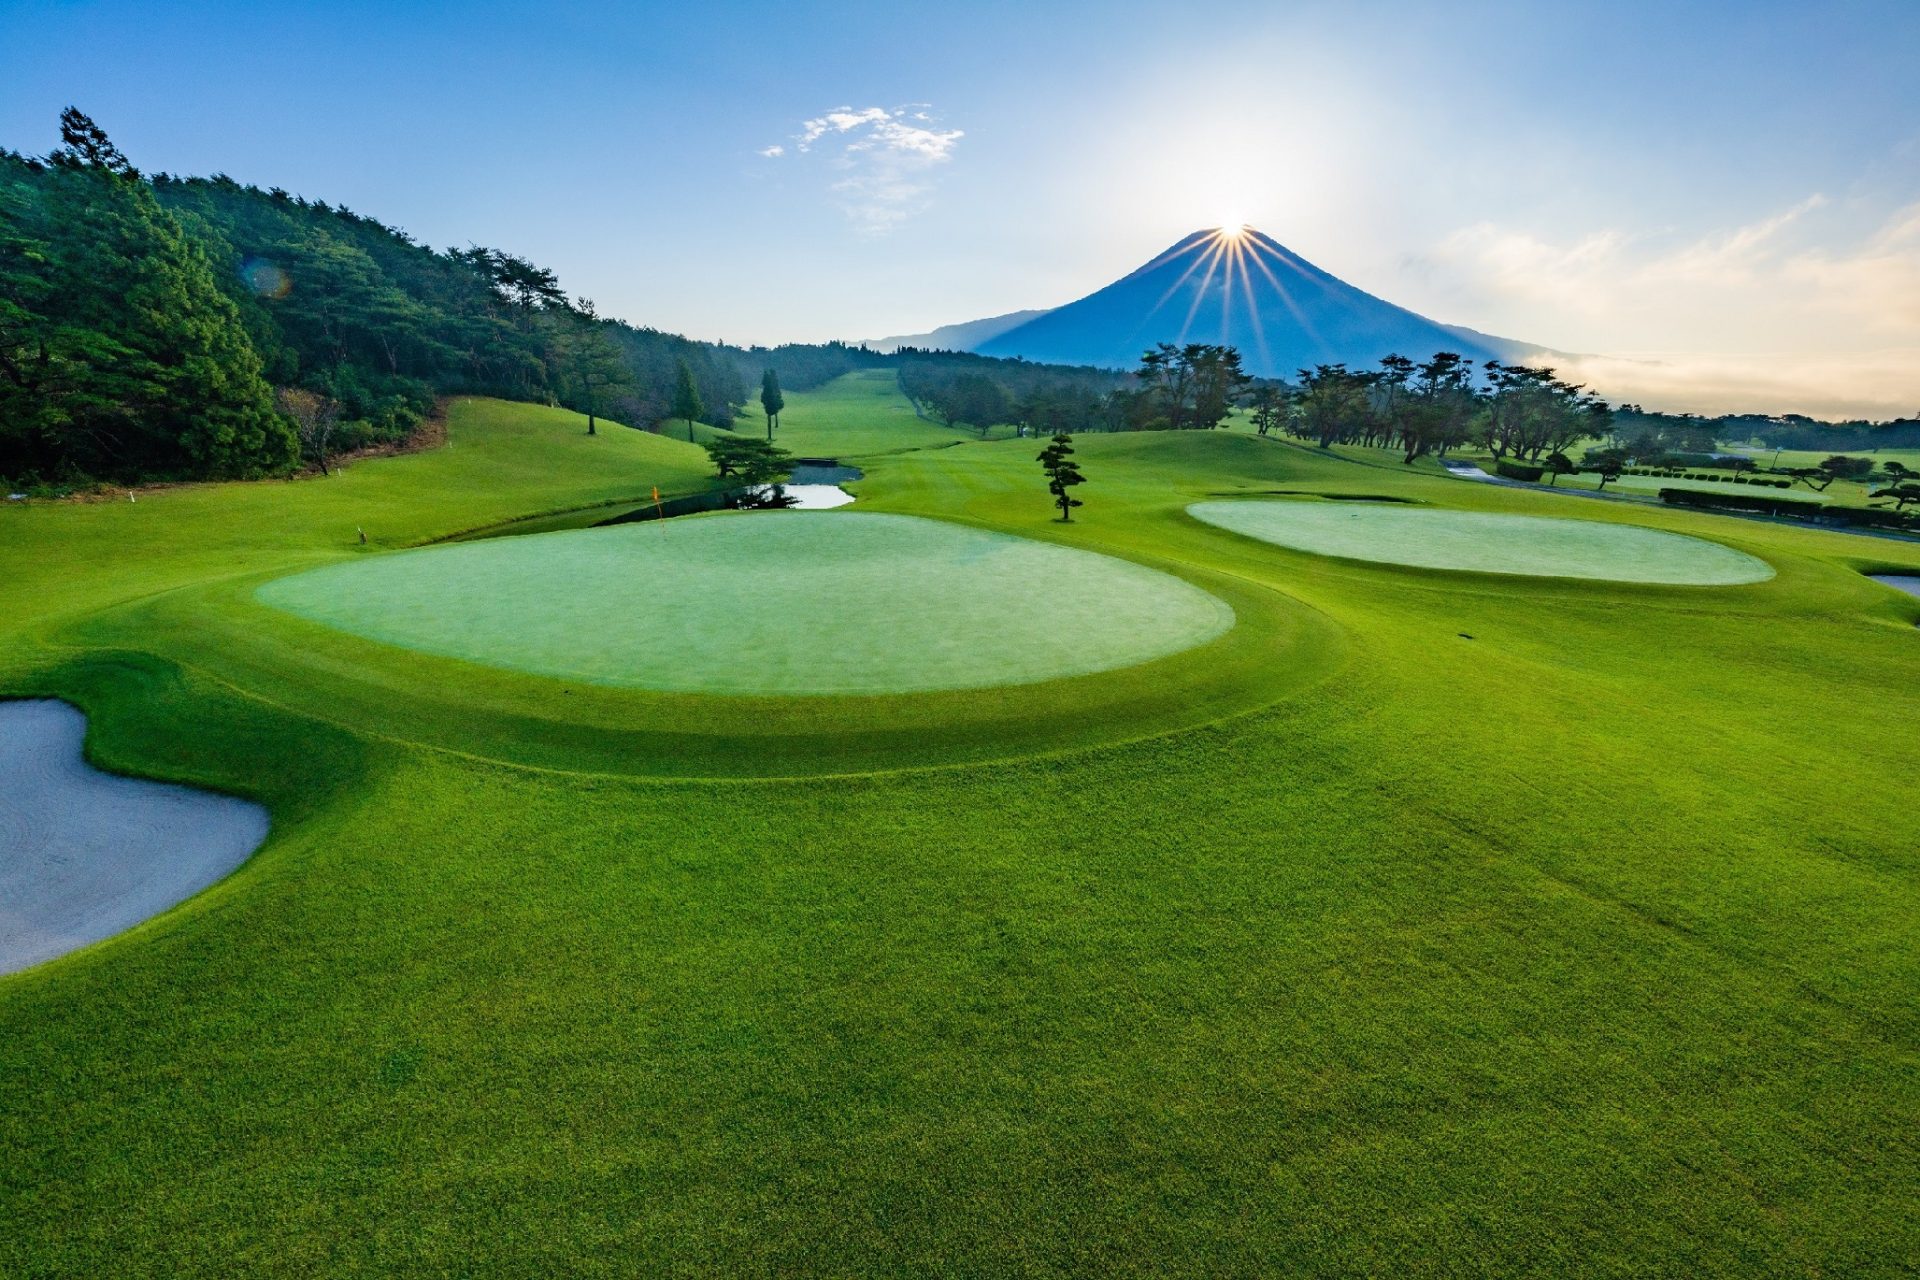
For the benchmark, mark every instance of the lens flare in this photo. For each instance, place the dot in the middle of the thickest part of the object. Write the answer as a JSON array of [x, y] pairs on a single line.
[[265, 279]]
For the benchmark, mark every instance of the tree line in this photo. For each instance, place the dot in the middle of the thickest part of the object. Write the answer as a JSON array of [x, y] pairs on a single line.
[[1686, 432], [1195, 386], [192, 328], [1433, 406]]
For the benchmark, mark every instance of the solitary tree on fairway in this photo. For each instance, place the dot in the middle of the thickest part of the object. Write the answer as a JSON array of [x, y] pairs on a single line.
[[1900, 495], [1561, 465], [771, 401], [1607, 464], [1269, 407], [1837, 467], [314, 418], [686, 399], [1062, 474]]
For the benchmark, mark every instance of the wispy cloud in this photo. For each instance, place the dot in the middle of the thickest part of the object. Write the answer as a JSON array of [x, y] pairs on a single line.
[[885, 160], [1801, 307]]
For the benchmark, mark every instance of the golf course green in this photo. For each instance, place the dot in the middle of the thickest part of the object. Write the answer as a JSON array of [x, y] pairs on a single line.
[[1489, 924], [1481, 542], [767, 603]]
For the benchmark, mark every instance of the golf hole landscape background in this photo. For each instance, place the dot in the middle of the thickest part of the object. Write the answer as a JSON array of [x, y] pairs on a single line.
[[1533, 546], [770, 603]]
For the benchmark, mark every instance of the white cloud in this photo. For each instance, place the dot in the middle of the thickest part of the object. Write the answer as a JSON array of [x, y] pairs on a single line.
[[1877, 384], [774, 151], [885, 160], [1789, 311]]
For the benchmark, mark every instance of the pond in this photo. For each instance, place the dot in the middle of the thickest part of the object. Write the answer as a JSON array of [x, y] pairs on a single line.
[[1907, 582], [814, 486]]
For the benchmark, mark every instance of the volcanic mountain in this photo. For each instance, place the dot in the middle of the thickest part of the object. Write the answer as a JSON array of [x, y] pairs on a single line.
[[1232, 286]]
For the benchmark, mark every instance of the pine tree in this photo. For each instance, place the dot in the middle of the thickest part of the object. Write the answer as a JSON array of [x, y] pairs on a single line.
[[593, 362], [195, 384], [1062, 474], [154, 375], [771, 401], [686, 398]]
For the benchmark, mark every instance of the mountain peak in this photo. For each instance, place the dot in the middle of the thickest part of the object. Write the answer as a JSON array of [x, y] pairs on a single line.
[[1237, 286]]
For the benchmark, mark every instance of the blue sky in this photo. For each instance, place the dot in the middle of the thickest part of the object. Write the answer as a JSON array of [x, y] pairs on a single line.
[[1726, 193]]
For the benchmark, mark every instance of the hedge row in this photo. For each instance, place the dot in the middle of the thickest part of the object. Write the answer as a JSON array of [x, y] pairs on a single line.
[[1716, 477], [1799, 509]]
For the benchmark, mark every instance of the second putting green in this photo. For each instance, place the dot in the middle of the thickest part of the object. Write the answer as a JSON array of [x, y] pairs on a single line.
[[1483, 542]]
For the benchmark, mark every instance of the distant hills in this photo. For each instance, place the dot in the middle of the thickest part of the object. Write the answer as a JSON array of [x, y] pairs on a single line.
[[964, 336], [1237, 287]]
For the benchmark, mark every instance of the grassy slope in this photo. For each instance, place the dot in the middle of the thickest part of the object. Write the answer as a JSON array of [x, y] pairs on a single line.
[[501, 460], [1585, 945], [854, 415]]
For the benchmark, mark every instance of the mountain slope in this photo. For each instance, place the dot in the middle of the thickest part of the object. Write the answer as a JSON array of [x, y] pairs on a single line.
[[1246, 290], [965, 336]]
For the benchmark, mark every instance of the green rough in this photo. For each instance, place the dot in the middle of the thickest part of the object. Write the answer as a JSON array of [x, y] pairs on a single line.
[[767, 603], [1588, 946], [1531, 546]]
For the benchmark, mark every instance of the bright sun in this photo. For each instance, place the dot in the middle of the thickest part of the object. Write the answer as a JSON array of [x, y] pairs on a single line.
[[1233, 229]]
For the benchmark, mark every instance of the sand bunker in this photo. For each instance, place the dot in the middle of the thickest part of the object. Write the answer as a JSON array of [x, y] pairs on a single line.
[[86, 854]]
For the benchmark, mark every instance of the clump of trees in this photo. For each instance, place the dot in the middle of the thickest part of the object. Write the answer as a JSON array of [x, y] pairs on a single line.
[[980, 393], [1195, 386], [1516, 412], [760, 468]]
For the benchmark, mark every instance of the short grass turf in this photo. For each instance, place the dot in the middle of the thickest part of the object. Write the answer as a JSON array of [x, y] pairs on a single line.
[[767, 603], [1482, 542], [1589, 946], [855, 415]]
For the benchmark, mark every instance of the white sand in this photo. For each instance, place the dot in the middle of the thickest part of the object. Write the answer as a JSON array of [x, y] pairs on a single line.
[[86, 854]]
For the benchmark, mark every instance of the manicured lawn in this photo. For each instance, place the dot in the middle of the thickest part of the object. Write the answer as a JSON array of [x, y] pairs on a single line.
[[1814, 457], [1343, 944], [767, 603], [1650, 486], [1480, 542], [854, 415]]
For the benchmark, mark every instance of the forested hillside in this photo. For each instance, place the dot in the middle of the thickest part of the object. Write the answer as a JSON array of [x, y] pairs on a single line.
[[176, 328]]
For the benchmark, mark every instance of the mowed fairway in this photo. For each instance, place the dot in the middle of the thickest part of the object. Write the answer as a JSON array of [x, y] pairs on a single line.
[[855, 415], [1466, 924], [1480, 542], [767, 603]]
